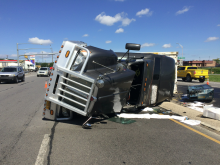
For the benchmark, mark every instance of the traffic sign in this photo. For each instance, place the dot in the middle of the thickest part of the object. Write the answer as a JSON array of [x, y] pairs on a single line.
[[181, 58]]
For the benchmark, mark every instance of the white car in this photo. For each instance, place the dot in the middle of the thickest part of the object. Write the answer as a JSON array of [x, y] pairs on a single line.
[[43, 71]]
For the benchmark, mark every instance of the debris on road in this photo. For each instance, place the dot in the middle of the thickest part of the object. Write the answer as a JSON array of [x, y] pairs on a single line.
[[211, 112], [121, 120], [183, 119], [158, 113], [200, 92]]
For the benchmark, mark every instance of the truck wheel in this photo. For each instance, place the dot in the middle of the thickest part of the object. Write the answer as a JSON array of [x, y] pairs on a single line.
[[201, 80], [188, 78], [184, 79], [16, 80]]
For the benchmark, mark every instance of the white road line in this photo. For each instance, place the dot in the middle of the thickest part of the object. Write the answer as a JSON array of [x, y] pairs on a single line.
[[43, 150]]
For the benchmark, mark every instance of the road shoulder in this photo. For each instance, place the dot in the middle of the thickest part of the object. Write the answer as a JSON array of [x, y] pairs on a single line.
[[192, 114]]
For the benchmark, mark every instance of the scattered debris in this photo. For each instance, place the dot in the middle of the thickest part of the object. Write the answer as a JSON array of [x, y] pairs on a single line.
[[211, 112], [196, 105], [200, 92], [121, 120], [156, 113]]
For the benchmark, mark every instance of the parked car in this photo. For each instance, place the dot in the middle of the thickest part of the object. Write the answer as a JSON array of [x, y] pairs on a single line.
[[12, 73], [43, 71], [36, 69]]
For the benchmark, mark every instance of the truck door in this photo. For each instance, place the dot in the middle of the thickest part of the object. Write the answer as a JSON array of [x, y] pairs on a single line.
[[180, 72]]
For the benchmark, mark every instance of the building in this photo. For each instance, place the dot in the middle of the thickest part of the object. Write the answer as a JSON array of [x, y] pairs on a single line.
[[4, 63], [23, 63], [203, 63]]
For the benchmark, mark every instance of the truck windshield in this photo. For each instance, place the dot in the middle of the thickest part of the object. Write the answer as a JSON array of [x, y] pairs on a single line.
[[181, 68], [9, 70], [43, 68], [81, 56]]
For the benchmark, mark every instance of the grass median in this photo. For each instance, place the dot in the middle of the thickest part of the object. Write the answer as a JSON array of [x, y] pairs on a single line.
[[214, 78]]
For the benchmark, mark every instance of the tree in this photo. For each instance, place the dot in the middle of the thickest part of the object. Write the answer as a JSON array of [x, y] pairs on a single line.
[[50, 64], [217, 60], [44, 64]]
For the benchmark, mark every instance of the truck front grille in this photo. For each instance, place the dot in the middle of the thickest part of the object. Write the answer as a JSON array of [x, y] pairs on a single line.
[[75, 92]]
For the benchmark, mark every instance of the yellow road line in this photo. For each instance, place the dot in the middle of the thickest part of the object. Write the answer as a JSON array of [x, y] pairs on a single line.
[[210, 138]]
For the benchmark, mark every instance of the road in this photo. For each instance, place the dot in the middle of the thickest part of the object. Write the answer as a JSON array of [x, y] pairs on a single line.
[[146, 141]]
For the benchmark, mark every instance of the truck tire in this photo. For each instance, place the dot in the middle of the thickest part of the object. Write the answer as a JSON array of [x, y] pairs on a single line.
[[188, 78], [184, 79], [201, 80]]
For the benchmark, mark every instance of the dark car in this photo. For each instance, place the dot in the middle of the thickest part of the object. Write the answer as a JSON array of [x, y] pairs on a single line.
[[12, 73]]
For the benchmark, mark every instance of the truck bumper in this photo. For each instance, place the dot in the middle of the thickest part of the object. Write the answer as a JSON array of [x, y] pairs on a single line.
[[202, 77]]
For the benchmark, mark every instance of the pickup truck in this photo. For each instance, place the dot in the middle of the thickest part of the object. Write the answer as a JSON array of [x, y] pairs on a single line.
[[187, 73]]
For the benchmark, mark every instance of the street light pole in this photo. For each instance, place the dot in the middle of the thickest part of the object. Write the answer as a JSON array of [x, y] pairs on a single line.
[[52, 55], [181, 47], [17, 55]]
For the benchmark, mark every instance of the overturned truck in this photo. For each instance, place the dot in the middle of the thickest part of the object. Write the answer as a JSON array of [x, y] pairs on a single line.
[[91, 81]]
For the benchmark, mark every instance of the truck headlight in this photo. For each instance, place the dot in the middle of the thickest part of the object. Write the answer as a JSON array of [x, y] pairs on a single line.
[[100, 83], [80, 58]]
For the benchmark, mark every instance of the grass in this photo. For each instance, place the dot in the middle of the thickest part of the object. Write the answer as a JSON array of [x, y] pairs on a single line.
[[216, 70], [214, 78]]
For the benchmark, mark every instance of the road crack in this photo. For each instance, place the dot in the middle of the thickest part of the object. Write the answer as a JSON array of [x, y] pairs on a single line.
[[51, 141]]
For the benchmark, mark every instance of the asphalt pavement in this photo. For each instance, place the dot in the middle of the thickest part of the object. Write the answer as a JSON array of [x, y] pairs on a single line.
[[26, 138]]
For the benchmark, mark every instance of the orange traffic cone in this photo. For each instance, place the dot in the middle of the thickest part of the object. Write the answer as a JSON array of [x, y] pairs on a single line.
[[45, 86], [207, 81]]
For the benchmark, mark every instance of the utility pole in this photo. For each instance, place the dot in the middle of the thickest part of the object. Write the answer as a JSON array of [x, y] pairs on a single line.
[[52, 54], [181, 47]]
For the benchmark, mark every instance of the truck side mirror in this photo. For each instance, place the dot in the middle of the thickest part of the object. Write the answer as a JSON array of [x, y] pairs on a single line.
[[130, 46]]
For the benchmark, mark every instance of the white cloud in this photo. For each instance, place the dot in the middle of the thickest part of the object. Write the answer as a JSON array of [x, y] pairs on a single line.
[[211, 39], [144, 12], [14, 55], [109, 20], [218, 25], [166, 46], [185, 9], [108, 42], [120, 30], [36, 40], [85, 35], [147, 45], [127, 21]]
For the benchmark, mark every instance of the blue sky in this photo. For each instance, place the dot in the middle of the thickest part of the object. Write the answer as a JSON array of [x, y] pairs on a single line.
[[109, 24]]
